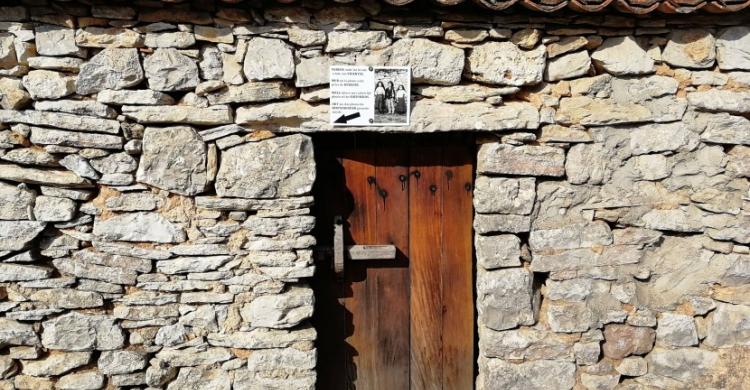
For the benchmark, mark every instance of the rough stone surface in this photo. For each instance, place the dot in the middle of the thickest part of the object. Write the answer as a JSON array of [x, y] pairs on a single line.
[[139, 227], [255, 170], [623, 56], [503, 63], [110, 69], [690, 49], [268, 59], [731, 48], [169, 70], [173, 159]]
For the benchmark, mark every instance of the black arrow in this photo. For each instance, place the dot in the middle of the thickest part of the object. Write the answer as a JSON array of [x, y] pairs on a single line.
[[346, 118]]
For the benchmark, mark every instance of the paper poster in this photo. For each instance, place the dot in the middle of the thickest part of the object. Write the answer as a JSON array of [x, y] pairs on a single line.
[[370, 96]]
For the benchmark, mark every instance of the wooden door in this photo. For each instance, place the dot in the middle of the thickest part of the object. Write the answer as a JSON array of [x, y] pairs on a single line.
[[406, 323]]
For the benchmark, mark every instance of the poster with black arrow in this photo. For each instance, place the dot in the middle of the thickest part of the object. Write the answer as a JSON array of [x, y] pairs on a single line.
[[370, 95]]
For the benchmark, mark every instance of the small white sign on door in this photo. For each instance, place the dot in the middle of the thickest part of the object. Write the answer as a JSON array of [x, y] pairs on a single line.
[[370, 96]]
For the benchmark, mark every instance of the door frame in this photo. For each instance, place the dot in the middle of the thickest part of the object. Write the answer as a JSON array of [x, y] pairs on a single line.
[[334, 140]]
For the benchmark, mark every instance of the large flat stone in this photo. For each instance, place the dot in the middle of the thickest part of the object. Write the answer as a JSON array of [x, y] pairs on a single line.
[[173, 159], [503, 63], [733, 48], [170, 70], [10, 272], [56, 364], [139, 227], [623, 56], [16, 202], [111, 68], [44, 136], [61, 120], [81, 332], [280, 311], [528, 160], [276, 167], [497, 374], [253, 92], [214, 115], [505, 298], [268, 59], [721, 100], [20, 174]]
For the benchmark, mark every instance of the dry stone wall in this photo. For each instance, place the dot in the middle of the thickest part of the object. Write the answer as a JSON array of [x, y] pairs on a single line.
[[155, 190]]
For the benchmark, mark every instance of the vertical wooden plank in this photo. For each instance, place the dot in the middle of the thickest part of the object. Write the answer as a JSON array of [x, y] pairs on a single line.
[[358, 166], [457, 268], [388, 281], [425, 207]]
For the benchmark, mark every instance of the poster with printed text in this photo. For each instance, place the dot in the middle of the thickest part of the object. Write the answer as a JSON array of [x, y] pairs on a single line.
[[370, 96]]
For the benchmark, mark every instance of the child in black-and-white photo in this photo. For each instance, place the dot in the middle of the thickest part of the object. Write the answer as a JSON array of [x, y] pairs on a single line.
[[392, 95]]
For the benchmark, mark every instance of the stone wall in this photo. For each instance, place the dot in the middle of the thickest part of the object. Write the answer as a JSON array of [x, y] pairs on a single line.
[[155, 214]]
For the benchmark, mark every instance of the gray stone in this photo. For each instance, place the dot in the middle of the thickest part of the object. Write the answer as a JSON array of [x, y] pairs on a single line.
[[568, 66], [111, 68], [169, 70], [65, 64], [497, 374], [56, 363], [61, 120], [44, 136], [54, 209], [503, 63], [500, 195], [505, 298], [569, 317], [728, 326], [268, 59], [56, 41], [30, 156], [8, 59], [17, 333], [139, 227], [115, 163], [177, 39], [197, 378], [16, 235], [464, 93], [723, 128], [496, 158], [527, 344], [732, 48], [67, 298], [12, 94], [571, 236], [676, 330], [585, 258], [682, 364], [694, 48], [253, 92], [191, 357], [214, 115], [721, 100], [312, 71], [501, 223], [77, 107], [211, 63], [120, 362], [498, 251], [139, 97], [632, 366], [280, 311], [15, 272], [16, 202], [254, 170], [214, 34], [623, 56], [47, 84], [173, 159], [430, 62], [260, 338], [191, 264], [84, 269], [108, 37], [343, 41], [86, 380]]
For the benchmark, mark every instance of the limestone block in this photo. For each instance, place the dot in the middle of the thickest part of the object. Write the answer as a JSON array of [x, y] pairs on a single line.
[[169, 70], [108, 37], [56, 364], [67, 298], [54, 209], [430, 62], [497, 374], [253, 92], [504, 195], [173, 159], [343, 41], [728, 324], [16, 202], [177, 39], [505, 298], [139, 227], [527, 160], [721, 100], [8, 58], [625, 340], [568, 66], [268, 59], [16, 235], [503, 63], [16, 272], [694, 48], [56, 41], [676, 330], [276, 167], [111, 68], [87, 380], [17, 333], [732, 48], [47, 84], [682, 364], [77, 107], [213, 115], [120, 362], [12, 94], [280, 310], [138, 97], [622, 56]]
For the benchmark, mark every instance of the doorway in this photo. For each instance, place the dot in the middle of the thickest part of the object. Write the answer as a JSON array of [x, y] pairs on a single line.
[[406, 322]]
